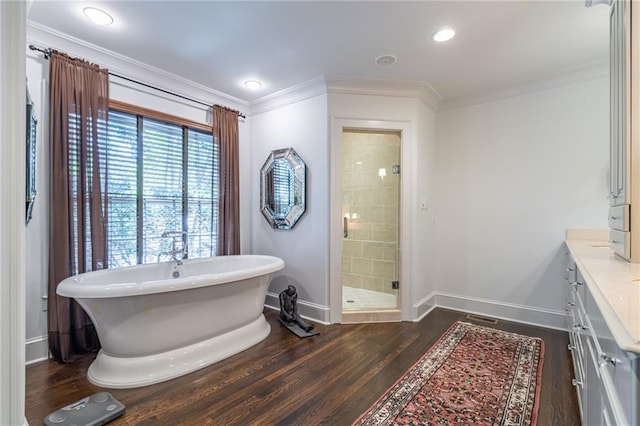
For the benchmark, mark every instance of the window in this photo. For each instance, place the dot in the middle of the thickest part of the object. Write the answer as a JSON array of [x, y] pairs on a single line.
[[161, 177]]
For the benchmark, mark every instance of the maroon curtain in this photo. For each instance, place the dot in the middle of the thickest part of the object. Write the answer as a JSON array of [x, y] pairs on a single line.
[[78, 111], [225, 129]]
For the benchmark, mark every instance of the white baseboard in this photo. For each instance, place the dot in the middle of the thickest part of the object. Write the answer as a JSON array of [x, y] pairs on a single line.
[[531, 315], [423, 307], [37, 349], [540, 317], [307, 310]]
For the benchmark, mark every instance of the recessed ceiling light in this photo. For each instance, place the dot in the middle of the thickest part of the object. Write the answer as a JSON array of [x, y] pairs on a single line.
[[98, 16], [386, 59], [443, 34], [252, 84]]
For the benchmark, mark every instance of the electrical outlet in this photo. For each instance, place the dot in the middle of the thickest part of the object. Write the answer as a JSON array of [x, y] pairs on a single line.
[[44, 303], [423, 204]]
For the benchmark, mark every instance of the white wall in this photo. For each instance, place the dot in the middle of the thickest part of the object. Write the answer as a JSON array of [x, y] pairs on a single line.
[[37, 231], [303, 126], [424, 243], [36, 242], [12, 233], [512, 176], [419, 149]]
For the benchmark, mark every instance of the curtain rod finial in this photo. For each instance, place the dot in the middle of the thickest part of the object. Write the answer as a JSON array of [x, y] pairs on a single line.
[[46, 52]]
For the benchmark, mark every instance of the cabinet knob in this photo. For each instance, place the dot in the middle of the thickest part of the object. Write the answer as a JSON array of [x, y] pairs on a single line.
[[579, 283], [576, 382], [615, 242], [570, 347], [571, 269], [606, 359], [613, 217], [571, 304]]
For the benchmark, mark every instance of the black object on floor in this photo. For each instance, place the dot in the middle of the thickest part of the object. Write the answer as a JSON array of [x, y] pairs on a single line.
[[94, 410], [289, 316], [297, 330]]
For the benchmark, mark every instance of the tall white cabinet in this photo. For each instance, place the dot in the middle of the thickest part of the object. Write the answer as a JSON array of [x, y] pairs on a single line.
[[624, 196]]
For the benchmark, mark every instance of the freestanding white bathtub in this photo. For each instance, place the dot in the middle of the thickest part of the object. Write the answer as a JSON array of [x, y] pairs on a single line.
[[154, 327]]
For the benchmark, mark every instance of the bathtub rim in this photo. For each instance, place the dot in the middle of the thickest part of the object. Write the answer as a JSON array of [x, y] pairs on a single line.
[[72, 287]]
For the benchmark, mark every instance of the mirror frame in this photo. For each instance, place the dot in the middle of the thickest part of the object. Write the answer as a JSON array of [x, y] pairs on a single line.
[[30, 167], [297, 186]]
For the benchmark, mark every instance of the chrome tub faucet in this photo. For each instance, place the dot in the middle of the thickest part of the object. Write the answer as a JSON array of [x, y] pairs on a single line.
[[176, 254]]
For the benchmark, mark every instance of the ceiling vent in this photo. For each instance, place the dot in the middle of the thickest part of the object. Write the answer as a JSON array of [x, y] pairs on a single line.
[[386, 60]]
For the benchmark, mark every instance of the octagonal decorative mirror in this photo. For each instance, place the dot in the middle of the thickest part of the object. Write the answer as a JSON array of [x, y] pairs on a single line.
[[282, 188]]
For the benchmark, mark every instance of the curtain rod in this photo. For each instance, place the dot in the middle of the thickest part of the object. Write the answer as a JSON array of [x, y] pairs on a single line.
[[47, 53]]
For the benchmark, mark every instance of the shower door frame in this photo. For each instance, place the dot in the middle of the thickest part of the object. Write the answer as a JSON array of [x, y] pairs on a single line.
[[338, 126]]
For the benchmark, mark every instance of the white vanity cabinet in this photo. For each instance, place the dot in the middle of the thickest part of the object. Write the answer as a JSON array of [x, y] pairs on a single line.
[[607, 378], [575, 320], [617, 370], [599, 405]]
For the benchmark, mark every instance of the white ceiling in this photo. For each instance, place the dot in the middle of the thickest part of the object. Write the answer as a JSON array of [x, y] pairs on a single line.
[[499, 45]]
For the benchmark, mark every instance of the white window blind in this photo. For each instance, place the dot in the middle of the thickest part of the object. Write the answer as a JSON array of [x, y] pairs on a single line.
[[162, 168], [203, 191], [161, 177], [81, 162], [122, 177]]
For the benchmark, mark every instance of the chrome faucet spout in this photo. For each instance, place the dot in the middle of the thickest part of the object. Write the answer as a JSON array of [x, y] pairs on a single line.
[[173, 234], [176, 254]]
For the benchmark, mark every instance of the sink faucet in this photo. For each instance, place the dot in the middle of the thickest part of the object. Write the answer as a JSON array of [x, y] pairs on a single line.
[[176, 254]]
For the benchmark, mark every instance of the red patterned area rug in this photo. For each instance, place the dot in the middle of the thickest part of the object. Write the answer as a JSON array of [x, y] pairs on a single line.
[[473, 375]]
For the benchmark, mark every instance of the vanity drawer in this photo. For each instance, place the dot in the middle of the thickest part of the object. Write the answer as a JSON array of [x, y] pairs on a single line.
[[578, 369], [619, 218], [623, 368], [602, 402], [570, 270], [620, 243]]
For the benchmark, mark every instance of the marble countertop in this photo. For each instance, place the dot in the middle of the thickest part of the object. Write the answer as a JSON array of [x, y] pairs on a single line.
[[614, 284]]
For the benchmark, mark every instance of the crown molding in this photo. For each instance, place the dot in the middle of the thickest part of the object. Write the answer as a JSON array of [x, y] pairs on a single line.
[[399, 88], [288, 96], [43, 36], [46, 37], [348, 85], [566, 77]]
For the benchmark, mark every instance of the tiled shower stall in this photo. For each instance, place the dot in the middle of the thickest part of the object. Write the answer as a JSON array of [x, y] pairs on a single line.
[[370, 210]]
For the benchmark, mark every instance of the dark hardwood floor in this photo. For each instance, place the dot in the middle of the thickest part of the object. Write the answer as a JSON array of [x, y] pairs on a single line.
[[327, 379]]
